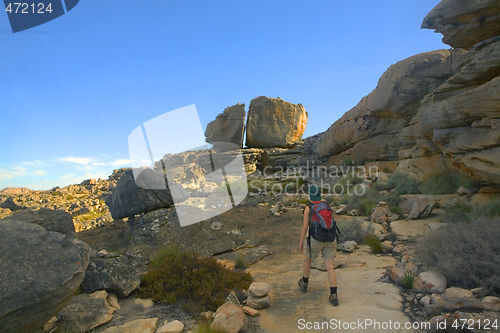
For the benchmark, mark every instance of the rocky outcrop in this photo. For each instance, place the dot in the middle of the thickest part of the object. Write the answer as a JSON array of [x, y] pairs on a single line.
[[374, 124], [272, 122], [131, 196], [40, 272], [229, 126], [464, 23]]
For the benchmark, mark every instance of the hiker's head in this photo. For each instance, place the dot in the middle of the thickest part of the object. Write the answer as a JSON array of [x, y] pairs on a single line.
[[314, 193]]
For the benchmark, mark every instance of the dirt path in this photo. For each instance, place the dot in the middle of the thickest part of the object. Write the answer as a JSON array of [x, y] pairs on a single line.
[[361, 295]]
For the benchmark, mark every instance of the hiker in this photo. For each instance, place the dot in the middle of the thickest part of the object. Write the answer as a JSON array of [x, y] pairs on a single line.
[[316, 214]]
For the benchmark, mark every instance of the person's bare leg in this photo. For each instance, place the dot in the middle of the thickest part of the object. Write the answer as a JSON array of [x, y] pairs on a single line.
[[306, 270], [332, 278]]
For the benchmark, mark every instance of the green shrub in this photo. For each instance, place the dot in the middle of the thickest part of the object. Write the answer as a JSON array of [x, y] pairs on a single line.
[[465, 213], [200, 284], [407, 280], [374, 243], [370, 199], [401, 183], [444, 183], [348, 161], [467, 253], [353, 230]]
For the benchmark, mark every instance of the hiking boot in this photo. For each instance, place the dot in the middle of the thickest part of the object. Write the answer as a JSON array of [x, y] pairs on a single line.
[[334, 299], [302, 285]]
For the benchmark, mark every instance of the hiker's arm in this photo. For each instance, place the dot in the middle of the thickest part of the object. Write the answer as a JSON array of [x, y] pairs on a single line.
[[305, 225]]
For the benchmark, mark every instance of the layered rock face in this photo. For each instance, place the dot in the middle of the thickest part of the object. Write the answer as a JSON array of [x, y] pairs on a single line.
[[229, 126], [464, 23], [431, 112], [40, 270], [272, 122]]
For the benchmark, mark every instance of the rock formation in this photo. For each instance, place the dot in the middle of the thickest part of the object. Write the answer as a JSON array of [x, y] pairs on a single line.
[[272, 122], [435, 111], [229, 126], [40, 271], [464, 23], [128, 198]]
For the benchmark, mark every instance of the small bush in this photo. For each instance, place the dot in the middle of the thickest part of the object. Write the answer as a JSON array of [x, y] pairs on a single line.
[[353, 230], [374, 243], [240, 262], [348, 161], [444, 183], [466, 213], [200, 284], [467, 253], [401, 183], [370, 199], [407, 280]]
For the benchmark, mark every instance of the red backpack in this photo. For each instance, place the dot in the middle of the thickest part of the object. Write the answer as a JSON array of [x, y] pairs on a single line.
[[322, 225]]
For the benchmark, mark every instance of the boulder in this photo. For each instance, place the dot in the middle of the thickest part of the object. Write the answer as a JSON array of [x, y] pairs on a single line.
[[347, 246], [121, 275], [491, 303], [86, 312], [229, 126], [129, 199], [135, 326], [40, 272], [229, 318], [49, 219], [272, 122], [430, 282], [250, 311], [421, 208], [259, 289], [464, 23], [452, 299]]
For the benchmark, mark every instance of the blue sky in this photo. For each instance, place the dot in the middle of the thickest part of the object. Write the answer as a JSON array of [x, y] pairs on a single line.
[[73, 89]]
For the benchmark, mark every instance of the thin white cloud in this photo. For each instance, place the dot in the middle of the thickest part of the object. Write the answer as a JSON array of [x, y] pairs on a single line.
[[76, 160], [7, 174], [38, 173], [120, 162], [35, 163]]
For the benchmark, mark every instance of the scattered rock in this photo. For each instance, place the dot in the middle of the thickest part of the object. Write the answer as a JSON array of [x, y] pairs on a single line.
[[229, 318], [113, 300], [86, 312], [135, 326], [395, 273], [121, 275], [233, 298], [421, 208], [273, 122], [145, 303], [259, 289], [250, 311], [430, 282], [258, 302], [387, 246], [52, 267], [491, 303], [174, 326], [347, 246]]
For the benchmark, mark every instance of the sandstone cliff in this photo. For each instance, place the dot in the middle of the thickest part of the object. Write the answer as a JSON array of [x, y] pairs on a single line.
[[435, 111]]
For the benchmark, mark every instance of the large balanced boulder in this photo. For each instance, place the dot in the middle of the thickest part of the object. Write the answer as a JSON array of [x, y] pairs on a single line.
[[464, 23], [133, 196], [229, 126], [121, 275], [40, 272], [272, 122], [49, 219]]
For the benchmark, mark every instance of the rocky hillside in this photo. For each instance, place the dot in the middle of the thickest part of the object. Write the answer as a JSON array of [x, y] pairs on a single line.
[[435, 111]]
